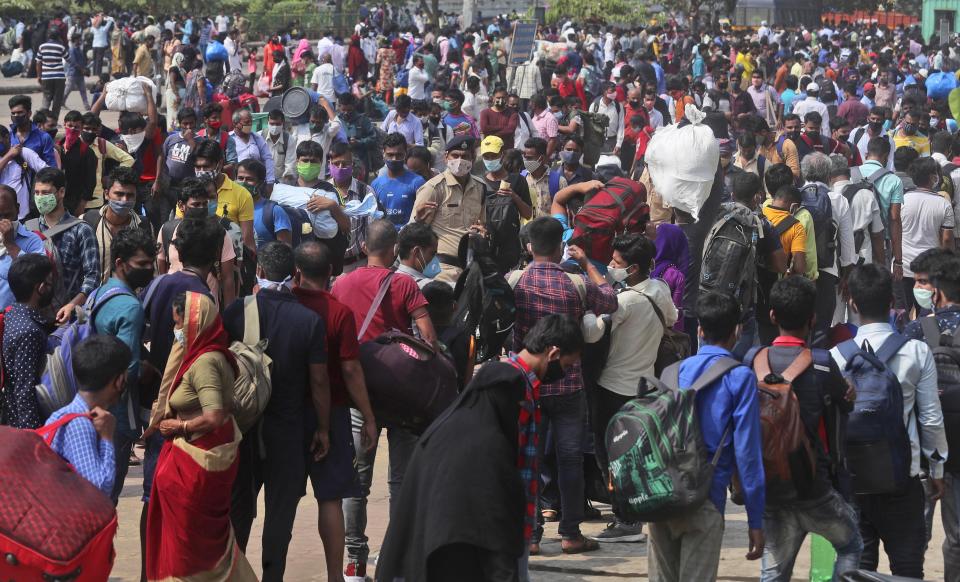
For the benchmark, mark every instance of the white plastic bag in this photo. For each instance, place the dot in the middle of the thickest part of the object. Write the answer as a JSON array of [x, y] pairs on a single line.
[[683, 162], [324, 225], [127, 94]]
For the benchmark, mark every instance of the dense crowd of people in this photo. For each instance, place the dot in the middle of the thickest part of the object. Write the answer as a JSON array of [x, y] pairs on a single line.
[[504, 220]]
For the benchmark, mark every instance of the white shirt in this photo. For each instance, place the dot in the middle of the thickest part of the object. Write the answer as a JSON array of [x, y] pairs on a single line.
[[615, 113], [524, 130], [12, 175], [233, 53], [914, 367], [473, 104], [416, 83], [323, 46], [223, 21], [322, 79], [656, 118], [841, 215], [635, 335], [811, 104], [864, 217], [865, 139], [925, 215]]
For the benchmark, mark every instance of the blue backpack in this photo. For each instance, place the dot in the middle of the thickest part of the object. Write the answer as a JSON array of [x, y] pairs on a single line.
[[341, 84], [878, 447], [58, 385], [816, 200]]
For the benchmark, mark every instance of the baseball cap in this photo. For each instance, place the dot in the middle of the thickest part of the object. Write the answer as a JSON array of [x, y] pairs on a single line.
[[868, 87], [813, 88], [491, 145]]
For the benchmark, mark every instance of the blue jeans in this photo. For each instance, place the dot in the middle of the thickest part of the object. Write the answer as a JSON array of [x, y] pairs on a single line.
[[785, 528], [400, 443], [566, 415], [749, 335]]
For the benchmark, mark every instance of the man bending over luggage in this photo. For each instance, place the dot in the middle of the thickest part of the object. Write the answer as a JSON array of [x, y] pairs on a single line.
[[687, 547], [86, 442]]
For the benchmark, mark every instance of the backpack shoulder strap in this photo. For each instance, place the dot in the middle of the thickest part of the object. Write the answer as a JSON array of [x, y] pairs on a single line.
[[251, 320], [514, 277], [267, 215], [151, 289], [580, 285], [166, 235], [656, 309], [671, 375], [92, 217], [59, 228], [857, 136], [878, 175], [553, 182], [798, 366], [785, 225], [891, 347], [377, 300], [716, 371], [761, 362], [931, 331]]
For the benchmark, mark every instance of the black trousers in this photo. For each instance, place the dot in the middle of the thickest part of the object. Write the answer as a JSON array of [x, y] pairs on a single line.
[[53, 94], [896, 519], [826, 305], [282, 472], [603, 405]]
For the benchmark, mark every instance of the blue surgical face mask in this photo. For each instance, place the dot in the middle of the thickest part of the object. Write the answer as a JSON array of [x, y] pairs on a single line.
[[431, 269], [924, 297], [493, 165], [212, 208]]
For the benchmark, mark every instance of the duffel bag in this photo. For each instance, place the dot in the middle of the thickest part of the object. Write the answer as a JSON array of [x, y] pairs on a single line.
[[410, 383], [64, 528]]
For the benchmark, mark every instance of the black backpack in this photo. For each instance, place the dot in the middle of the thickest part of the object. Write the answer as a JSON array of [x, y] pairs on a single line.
[[730, 255], [947, 357], [816, 200], [503, 228], [858, 183], [485, 303]]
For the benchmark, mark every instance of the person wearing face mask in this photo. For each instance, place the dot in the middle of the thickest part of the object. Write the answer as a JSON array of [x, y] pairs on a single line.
[[498, 120], [571, 171], [25, 133], [608, 105], [12, 172], [644, 309], [908, 134], [122, 316], [45, 120], [251, 146], [78, 263], [324, 128], [397, 189], [417, 253], [496, 175], [545, 124], [360, 133], [341, 189], [536, 171], [874, 127], [31, 280], [233, 201], [453, 204], [174, 162], [499, 406], [270, 220], [282, 146], [455, 119], [213, 130], [79, 163], [109, 155], [401, 120]]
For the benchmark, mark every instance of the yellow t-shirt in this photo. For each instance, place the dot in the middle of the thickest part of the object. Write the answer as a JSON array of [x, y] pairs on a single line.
[[235, 199], [918, 142], [794, 239]]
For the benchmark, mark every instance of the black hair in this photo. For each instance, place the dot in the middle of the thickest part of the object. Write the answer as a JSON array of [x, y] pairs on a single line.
[[198, 241], [878, 146], [130, 121], [929, 260], [441, 302], [403, 102], [255, 167], [309, 148], [26, 272], [348, 99], [903, 157], [813, 117], [747, 140], [871, 289], [415, 234], [124, 175], [312, 258], [794, 302], [745, 186], [554, 330], [276, 260], [211, 110], [719, 315], [91, 118], [537, 143], [129, 241], [73, 115], [921, 170], [777, 176], [420, 153], [394, 140], [192, 188], [941, 142], [208, 149], [790, 193], [41, 116], [53, 176], [572, 138], [23, 100], [186, 113], [98, 360], [276, 114], [946, 278], [546, 235], [636, 249]]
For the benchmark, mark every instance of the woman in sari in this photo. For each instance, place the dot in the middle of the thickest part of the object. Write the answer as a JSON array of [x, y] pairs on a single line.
[[671, 263], [189, 535], [386, 58]]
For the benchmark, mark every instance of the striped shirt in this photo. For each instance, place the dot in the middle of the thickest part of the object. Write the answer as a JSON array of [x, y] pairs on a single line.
[[51, 56]]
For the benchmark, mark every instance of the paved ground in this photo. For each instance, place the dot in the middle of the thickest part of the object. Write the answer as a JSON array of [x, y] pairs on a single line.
[[614, 561]]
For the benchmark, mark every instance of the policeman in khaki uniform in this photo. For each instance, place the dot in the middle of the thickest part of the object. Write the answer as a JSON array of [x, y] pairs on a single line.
[[452, 203]]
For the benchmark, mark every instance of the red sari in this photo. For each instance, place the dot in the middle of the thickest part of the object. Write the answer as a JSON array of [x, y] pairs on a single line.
[[189, 534]]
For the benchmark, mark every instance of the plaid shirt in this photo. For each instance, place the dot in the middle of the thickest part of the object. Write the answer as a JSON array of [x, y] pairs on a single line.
[[527, 445], [545, 289], [79, 257], [78, 443]]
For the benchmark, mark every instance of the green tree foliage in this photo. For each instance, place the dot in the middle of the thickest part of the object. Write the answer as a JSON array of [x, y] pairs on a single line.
[[627, 11]]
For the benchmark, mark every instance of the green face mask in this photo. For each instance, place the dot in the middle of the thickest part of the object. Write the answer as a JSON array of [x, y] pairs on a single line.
[[309, 171], [45, 202], [253, 190]]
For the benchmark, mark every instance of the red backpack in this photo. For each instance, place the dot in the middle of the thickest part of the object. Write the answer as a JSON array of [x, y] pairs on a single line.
[[617, 208]]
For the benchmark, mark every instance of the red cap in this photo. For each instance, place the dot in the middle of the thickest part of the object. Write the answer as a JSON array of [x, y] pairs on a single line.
[[868, 87]]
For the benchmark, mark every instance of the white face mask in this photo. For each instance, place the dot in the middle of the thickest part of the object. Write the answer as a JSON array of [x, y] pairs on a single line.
[[459, 167], [134, 141], [179, 336], [275, 129]]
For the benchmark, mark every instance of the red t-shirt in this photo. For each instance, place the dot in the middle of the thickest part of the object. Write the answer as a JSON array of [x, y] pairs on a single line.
[[149, 157], [356, 290], [342, 344]]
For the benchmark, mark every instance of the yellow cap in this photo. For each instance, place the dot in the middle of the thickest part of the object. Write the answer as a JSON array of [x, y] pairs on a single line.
[[491, 145]]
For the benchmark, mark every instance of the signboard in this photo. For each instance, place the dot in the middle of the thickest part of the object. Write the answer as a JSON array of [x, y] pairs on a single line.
[[524, 41]]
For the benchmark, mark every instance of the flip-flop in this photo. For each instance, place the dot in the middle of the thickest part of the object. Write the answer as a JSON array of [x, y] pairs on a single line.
[[585, 545]]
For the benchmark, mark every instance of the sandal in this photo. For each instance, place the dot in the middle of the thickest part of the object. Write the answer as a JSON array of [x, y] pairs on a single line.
[[578, 545]]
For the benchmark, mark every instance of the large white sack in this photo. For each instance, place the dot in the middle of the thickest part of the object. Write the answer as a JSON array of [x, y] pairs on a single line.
[[323, 223], [127, 94], [683, 162]]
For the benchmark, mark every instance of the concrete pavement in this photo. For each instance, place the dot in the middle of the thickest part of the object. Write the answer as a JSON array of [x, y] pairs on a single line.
[[613, 562]]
